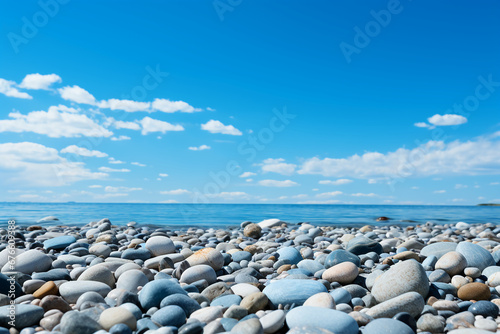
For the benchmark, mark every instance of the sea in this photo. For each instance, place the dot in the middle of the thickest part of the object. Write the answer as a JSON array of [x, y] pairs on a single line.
[[232, 215]]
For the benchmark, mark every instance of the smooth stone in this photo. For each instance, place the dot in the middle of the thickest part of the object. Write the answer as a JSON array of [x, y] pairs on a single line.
[[159, 245], [244, 289], [291, 254], [332, 320], [383, 325], [268, 223], [362, 245], [53, 275], [215, 290], [227, 301], [474, 291], [339, 256], [120, 329], [54, 303], [452, 262], [186, 303], [6, 288], [486, 324], [171, 315], [130, 280], [49, 288], [254, 302], [134, 309], [192, 328], [469, 331], [207, 314], [430, 323], [322, 299], [411, 302], [199, 272], [89, 296], [29, 262], [405, 276], [341, 296], [488, 271], [250, 326], [494, 279], [75, 322], [241, 255], [252, 231], [273, 321], [406, 318], [100, 250], [153, 292], [51, 321], [126, 267], [208, 256], [134, 254], [59, 243], [98, 273], [26, 315], [117, 315], [438, 249], [343, 273], [71, 291], [475, 255], [292, 291], [236, 312], [484, 308], [310, 265]]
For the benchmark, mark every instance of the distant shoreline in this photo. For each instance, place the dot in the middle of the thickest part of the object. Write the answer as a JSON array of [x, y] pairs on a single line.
[[489, 204]]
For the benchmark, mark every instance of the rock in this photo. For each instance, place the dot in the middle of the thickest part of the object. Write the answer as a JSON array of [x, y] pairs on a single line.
[[268, 223], [26, 315], [136, 254], [215, 290], [430, 323], [343, 273], [341, 296], [117, 315], [474, 291], [291, 291], [49, 288], [54, 303], [475, 255], [452, 262], [484, 308], [379, 326], [446, 305], [29, 262], [438, 249], [362, 245], [332, 320], [486, 324], [241, 255], [199, 272], [159, 245], [153, 292], [407, 255], [98, 273], [49, 322], [6, 287], [322, 299], [339, 256], [236, 312], [75, 322], [59, 243], [250, 326], [273, 321], [70, 291], [208, 256], [207, 314], [100, 250], [244, 289], [227, 300], [403, 277], [411, 302], [290, 254], [469, 331], [89, 296], [252, 231], [407, 319], [254, 302], [130, 280]]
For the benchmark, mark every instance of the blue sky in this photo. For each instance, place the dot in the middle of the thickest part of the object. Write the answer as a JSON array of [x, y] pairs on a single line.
[[380, 102]]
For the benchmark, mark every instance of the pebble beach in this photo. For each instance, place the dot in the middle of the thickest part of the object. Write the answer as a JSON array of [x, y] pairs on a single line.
[[260, 277]]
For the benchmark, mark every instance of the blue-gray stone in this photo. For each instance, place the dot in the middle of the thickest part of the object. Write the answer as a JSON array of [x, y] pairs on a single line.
[[226, 300], [341, 296], [191, 328], [59, 243], [291, 254], [447, 288], [439, 275], [26, 315], [228, 323], [310, 265], [53, 275], [362, 245], [120, 329], [438, 249], [241, 255], [339, 256], [475, 255], [153, 292], [77, 322], [384, 325], [292, 291], [185, 302], [484, 308], [406, 318], [490, 270], [133, 254], [429, 262], [171, 315], [332, 320], [134, 309], [5, 284], [303, 238], [299, 271]]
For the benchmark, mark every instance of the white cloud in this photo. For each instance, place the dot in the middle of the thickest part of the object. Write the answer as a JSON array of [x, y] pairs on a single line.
[[110, 189], [153, 125], [247, 174], [415, 188], [214, 126], [336, 182], [54, 124], [330, 201], [112, 170], [276, 183], [39, 81], [210, 109], [7, 88], [199, 148], [175, 192], [169, 201], [163, 175], [439, 191], [372, 181], [461, 186], [84, 152], [422, 125], [446, 120], [120, 138], [37, 165], [173, 106], [249, 180], [364, 195], [432, 158], [125, 105], [278, 166], [300, 196], [94, 186], [114, 161], [229, 195], [77, 94], [138, 164], [122, 124], [330, 194]]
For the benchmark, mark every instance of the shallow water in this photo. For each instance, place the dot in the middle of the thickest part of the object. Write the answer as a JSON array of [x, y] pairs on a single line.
[[233, 214]]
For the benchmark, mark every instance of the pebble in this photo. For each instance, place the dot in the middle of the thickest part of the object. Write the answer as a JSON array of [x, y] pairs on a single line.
[[452, 262], [343, 273], [474, 291], [292, 291], [29, 262], [26, 315], [70, 291], [153, 292], [332, 320], [255, 302], [379, 326], [131, 280], [273, 321], [475, 255], [208, 256], [322, 299], [484, 308], [159, 245], [117, 315], [75, 322], [171, 315], [339, 256], [59, 243], [98, 273], [250, 326], [199, 272], [411, 302]]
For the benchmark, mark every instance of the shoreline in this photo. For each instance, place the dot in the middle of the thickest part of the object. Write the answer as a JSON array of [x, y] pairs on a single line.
[[269, 276]]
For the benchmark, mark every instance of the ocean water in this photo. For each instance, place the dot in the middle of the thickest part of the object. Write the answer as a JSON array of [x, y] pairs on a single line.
[[221, 215]]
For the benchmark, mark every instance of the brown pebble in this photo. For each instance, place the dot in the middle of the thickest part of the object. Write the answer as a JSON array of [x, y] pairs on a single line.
[[474, 291], [49, 288], [358, 308], [406, 255], [252, 249], [388, 261], [254, 302], [55, 302], [431, 300], [33, 228]]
